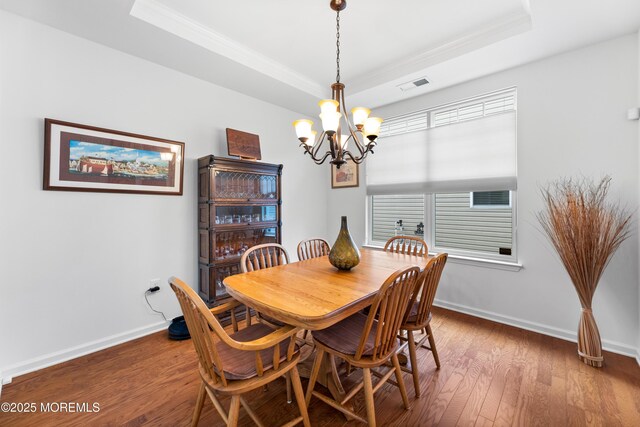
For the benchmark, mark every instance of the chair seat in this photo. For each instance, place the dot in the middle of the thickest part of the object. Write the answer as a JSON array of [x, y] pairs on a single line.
[[240, 364], [345, 335], [413, 314]]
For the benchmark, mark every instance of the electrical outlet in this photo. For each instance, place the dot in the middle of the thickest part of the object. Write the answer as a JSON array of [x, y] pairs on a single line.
[[153, 283]]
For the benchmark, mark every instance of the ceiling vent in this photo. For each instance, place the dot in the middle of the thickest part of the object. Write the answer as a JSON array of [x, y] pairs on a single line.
[[413, 84]]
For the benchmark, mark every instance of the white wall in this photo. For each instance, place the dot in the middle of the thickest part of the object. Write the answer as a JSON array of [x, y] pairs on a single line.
[[638, 105], [571, 122], [59, 298]]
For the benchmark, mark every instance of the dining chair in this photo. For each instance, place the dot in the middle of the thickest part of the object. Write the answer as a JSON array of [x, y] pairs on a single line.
[[407, 245], [260, 257], [368, 341], [257, 258], [313, 248], [418, 316], [232, 365]]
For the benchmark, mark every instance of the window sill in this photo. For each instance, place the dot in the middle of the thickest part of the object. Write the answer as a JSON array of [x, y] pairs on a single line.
[[477, 262]]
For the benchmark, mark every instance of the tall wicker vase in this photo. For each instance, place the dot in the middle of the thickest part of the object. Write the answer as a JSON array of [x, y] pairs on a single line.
[[589, 344], [344, 254], [585, 231]]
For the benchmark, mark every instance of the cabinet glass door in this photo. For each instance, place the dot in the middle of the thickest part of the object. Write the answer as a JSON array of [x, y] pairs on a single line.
[[220, 274], [246, 215], [245, 186], [232, 244]]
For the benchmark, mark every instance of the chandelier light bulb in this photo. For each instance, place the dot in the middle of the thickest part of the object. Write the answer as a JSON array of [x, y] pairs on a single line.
[[372, 127], [312, 139], [330, 121], [328, 106], [343, 141], [303, 129], [360, 115]]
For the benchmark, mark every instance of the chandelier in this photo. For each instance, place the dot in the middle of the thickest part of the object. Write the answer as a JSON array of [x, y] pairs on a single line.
[[361, 132]]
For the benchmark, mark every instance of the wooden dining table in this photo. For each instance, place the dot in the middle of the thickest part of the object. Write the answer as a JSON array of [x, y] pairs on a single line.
[[314, 295]]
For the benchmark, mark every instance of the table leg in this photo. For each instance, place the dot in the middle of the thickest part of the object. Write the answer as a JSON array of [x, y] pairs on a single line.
[[327, 377]]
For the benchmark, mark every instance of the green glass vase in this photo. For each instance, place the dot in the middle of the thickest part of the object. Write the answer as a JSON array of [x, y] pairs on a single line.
[[344, 254]]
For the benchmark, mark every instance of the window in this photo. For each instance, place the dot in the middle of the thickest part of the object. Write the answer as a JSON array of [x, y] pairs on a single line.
[[490, 199], [451, 171], [462, 225], [396, 215], [456, 226]]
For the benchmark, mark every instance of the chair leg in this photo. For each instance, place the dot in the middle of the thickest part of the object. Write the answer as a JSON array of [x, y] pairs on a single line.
[[287, 377], [414, 363], [248, 316], [199, 405], [297, 389], [314, 374], [403, 390], [368, 396], [234, 411], [432, 344]]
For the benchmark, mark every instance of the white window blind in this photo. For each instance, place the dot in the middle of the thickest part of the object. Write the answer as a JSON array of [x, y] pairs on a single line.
[[460, 226], [477, 155], [473, 109], [407, 123], [475, 151], [386, 210]]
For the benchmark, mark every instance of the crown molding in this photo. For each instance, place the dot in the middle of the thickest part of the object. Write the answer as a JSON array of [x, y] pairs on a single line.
[[168, 19], [507, 26]]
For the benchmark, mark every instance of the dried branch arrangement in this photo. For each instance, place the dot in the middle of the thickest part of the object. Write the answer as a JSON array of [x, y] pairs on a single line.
[[586, 231]]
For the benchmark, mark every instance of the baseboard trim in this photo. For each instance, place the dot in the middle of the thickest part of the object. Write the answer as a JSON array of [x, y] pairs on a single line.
[[612, 346], [37, 363], [638, 357]]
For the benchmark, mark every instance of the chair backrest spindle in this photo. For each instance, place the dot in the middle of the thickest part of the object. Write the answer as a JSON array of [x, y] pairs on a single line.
[[263, 256], [387, 312], [313, 248], [427, 292], [407, 245]]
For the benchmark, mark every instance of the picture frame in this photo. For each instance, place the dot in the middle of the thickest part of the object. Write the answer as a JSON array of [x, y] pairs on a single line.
[[87, 158], [348, 176]]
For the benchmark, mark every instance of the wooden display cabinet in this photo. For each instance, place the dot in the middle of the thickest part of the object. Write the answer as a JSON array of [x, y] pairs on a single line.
[[239, 206]]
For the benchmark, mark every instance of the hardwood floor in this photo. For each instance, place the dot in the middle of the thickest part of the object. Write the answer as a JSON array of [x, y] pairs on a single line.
[[491, 375]]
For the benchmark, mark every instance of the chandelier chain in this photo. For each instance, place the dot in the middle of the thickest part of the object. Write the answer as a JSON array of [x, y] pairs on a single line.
[[338, 47]]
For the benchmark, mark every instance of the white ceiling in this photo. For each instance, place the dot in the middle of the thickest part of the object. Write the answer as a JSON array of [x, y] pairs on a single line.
[[283, 51]]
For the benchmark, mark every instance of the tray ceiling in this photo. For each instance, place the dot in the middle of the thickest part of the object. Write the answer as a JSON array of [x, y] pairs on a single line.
[[283, 51]]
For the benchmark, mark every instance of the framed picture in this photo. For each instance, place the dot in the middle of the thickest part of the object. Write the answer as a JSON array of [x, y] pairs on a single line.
[[86, 158], [346, 176]]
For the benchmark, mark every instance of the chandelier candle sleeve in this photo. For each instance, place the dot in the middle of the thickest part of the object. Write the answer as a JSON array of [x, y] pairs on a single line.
[[338, 128]]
